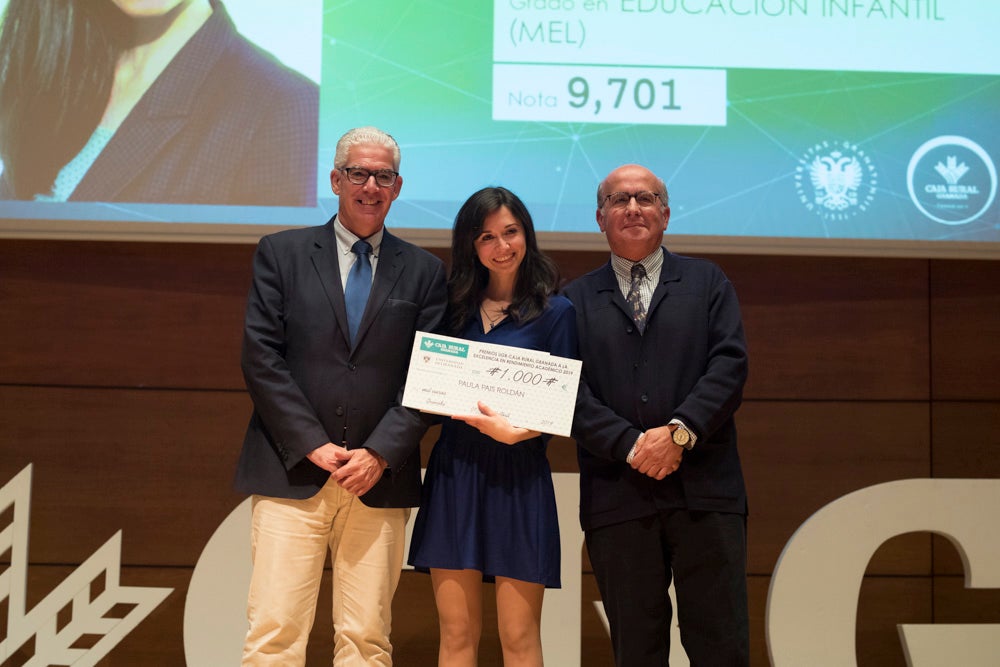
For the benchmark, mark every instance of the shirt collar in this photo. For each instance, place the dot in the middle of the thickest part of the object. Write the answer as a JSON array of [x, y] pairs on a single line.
[[652, 262], [346, 239]]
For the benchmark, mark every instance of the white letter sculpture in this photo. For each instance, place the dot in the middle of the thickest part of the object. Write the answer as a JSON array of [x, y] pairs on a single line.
[[813, 600]]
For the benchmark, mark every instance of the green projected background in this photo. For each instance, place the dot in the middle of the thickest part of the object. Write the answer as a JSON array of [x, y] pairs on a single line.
[[813, 125], [803, 153]]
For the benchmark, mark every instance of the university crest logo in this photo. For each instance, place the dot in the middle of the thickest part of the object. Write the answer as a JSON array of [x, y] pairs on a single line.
[[836, 180]]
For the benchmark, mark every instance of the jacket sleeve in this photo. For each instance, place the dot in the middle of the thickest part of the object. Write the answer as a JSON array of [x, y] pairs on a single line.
[[283, 408], [599, 429], [719, 391], [596, 427]]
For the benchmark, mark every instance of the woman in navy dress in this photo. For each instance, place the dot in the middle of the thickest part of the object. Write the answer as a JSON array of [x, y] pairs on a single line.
[[488, 510]]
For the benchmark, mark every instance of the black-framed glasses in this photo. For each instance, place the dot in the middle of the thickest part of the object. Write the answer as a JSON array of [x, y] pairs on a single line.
[[359, 176], [644, 198]]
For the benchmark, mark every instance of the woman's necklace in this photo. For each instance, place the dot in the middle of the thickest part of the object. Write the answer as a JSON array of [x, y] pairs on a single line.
[[500, 314]]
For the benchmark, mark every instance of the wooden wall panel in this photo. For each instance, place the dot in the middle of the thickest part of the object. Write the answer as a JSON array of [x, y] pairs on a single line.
[[757, 587], [834, 328], [967, 441], [966, 438], [119, 380], [170, 315], [954, 603], [885, 602], [799, 456], [965, 321], [122, 314], [156, 464], [573, 264]]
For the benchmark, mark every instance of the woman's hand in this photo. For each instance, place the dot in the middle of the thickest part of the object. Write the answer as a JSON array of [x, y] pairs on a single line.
[[496, 426]]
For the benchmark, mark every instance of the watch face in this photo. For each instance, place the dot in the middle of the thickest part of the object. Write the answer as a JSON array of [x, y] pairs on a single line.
[[681, 436]]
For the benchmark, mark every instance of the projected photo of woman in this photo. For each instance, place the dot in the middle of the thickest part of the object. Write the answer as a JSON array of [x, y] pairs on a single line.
[[158, 101]]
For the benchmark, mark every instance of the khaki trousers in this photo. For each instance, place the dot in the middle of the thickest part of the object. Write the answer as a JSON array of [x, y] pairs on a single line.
[[289, 543]]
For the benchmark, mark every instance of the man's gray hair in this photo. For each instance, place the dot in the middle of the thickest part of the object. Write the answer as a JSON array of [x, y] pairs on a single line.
[[365, 135]]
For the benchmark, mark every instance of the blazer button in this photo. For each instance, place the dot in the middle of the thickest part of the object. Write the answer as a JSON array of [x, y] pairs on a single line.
[[644, 398], [352, 367], [340, 410]]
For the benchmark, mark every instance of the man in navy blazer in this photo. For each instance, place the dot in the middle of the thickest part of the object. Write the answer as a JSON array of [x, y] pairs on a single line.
[[330, 456], [661, 487]]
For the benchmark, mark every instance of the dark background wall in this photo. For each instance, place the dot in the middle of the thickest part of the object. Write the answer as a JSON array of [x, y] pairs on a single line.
[[120, 383]]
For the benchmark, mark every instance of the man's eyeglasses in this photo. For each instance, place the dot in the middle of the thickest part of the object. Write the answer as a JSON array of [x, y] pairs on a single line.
[[644, 198], [359, 176]]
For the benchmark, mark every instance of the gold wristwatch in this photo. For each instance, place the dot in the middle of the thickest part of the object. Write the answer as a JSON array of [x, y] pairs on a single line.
[[682, 437]]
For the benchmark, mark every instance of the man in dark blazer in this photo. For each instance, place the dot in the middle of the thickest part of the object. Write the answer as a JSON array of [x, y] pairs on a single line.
[[661, 487], [330, 456]]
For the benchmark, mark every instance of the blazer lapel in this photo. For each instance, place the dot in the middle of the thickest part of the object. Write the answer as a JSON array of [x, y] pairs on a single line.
[[387, 273], [608, 287], [327, 264], [669, 273]]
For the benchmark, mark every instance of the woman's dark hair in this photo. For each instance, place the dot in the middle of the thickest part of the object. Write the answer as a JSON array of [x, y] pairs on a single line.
[[57, 68], [537, 276]]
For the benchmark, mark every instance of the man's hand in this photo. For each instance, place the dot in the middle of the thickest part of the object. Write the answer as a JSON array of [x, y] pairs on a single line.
[[656, 455], [329, 457], [496, 426], [359, 471]]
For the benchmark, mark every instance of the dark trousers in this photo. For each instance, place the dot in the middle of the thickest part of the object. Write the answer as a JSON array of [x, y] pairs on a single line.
[[706, 554]]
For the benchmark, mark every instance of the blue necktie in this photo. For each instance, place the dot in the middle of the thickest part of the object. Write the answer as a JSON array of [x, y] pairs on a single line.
[[359, 284]]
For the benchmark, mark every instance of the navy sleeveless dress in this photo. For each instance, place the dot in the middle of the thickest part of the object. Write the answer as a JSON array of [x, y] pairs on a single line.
[[485, 505]]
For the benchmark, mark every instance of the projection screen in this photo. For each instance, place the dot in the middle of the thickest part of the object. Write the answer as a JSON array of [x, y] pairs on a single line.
[[779, 126]]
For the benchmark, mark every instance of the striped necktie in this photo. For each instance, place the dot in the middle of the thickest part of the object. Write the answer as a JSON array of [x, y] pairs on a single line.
[[635, 297]]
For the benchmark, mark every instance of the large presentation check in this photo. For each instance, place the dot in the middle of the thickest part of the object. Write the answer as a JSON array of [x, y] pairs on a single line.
[[532, 389]]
